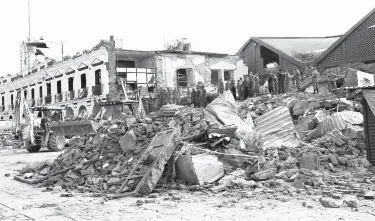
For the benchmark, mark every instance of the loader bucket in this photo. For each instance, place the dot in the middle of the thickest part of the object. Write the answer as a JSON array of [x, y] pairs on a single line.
[[72, 128]]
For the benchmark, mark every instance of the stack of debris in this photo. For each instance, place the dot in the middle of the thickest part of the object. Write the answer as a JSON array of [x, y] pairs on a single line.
[[197, 146], [9, 142]]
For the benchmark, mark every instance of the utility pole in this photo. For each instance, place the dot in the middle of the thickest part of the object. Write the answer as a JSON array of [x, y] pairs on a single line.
[[62, 50], [28, 6]]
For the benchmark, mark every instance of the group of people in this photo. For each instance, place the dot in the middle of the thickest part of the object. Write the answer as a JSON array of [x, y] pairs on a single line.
[[198, 96], [278, 83], [169, 96], [248, 87]]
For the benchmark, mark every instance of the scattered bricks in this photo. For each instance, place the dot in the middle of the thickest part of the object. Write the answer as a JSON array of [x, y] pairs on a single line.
[[176, 198], [219, 188], [330, 203], [294, 177], [139, 202], [150, 200], [265, 174], [365, 162], [291, 172], [369, 195], [292, 189], [281, 174], [333, 159], [342, 160], [66, 195], [88, 171], [128, 141], [336, 196], [298, 184], [331, 167], [310, 162], [318, 192]]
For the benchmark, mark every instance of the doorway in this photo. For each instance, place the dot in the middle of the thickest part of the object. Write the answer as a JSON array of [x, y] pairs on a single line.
[[215, 77]]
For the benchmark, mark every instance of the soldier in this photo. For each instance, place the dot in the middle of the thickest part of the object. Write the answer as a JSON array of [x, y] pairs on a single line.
[[227, 85], [188, 96], [220, 88], [233, 89], [275, 83], [239, 89], [314, 80], [246, 88], [203, 99], [297, 78], [194, 97], [256, 85], [281, 76], [251, 88], [169, 96], [174, 96], [199, 95], [270, 84], [332, 81], [150, 103], [286, 81]]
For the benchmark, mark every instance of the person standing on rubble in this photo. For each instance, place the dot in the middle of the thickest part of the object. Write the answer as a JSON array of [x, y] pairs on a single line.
[[246, 88], [270, 84], [275, 83], [280, 76], [256, 85], [174, 96], [314, 80], [239, 89], [332, 81], [220, 87], [233, 89], [250, 83], [297, 78], [203, 101], [227, 85], [169, 96], [287, 78], [199, 97], [194, 97]]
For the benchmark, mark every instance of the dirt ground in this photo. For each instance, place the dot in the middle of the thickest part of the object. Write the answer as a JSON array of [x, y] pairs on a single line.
[[20, 201]]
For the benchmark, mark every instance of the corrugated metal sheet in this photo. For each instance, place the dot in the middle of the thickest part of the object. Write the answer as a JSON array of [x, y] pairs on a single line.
[[338, 121], [276, 128], [351, 117]]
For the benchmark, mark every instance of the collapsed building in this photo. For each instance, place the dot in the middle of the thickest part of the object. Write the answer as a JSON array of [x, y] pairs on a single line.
[[76, 81]]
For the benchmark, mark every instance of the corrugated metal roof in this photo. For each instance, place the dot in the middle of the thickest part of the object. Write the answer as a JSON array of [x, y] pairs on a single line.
[[291, 46], [351, 117], [338, 121], [276, 128]]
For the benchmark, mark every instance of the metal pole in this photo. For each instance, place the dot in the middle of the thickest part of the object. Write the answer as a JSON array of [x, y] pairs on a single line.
[[28, 5]]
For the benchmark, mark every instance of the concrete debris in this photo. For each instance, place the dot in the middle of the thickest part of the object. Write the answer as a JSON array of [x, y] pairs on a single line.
[[298, 147]]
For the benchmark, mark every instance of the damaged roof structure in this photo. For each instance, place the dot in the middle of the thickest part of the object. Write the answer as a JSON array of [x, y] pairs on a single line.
[[286, 51]]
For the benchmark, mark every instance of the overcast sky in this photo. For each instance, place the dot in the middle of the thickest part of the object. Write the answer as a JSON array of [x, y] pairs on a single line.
[[210, 25]]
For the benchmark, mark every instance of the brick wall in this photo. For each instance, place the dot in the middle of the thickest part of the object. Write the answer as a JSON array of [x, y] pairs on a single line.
[[252, 58]]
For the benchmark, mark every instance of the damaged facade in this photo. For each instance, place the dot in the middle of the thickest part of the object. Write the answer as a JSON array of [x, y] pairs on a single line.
[[76, 81]]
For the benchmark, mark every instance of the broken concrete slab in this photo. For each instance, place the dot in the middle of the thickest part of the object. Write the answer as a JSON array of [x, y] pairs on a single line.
[[264, 175], [199, 169], [128, 142], [311, 162]]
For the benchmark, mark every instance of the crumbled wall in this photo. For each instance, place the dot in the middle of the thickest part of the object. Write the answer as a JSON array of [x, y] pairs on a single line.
[[199, 68]]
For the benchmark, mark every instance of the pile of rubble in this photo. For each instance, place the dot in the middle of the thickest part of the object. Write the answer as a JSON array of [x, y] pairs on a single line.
[[324, 157], [8, 142]]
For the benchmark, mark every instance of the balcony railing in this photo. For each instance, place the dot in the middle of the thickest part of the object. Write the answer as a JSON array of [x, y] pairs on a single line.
[[82, 93], [58, 97], [97, 89], [48, 99]]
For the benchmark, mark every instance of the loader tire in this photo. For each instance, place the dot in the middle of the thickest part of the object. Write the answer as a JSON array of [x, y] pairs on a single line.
[[32, 148], [51, 145]]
